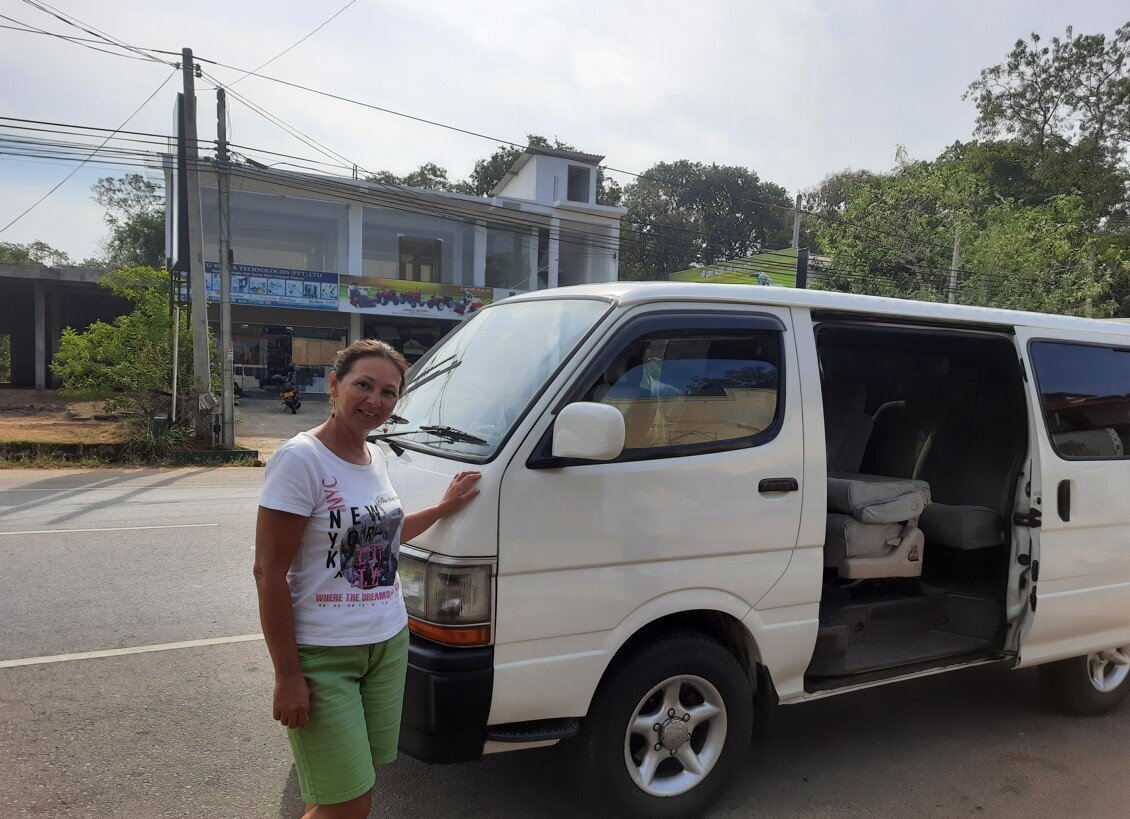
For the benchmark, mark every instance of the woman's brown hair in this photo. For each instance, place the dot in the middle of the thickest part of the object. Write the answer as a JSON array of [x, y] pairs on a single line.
[[368, 348]]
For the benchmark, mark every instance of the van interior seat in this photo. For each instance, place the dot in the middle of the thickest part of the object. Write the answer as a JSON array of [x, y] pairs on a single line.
[[971, 461], [901, 428], [872, 526], [847, 426]]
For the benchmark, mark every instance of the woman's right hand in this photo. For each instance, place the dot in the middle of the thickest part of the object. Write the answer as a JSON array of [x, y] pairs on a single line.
[[292, 700]]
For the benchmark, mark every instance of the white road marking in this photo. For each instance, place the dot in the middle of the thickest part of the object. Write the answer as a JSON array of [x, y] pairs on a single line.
[[118, 652], [110, 529]]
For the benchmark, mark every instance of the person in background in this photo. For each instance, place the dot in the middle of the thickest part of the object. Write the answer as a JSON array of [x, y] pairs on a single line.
[[327, 543]]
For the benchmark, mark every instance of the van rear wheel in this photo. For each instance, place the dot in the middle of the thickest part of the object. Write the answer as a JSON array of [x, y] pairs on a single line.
[[667, 729], [1089, 685]]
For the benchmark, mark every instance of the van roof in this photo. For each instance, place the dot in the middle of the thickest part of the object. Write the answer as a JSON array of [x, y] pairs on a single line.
[[626, 293]]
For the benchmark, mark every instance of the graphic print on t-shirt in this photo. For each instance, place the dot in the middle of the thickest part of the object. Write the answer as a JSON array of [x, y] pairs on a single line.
[[369, 556]]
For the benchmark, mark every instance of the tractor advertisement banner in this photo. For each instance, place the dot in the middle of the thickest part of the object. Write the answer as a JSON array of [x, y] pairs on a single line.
[[395, 297]]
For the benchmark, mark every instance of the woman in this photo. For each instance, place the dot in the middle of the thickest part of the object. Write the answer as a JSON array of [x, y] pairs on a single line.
[[326, 547]]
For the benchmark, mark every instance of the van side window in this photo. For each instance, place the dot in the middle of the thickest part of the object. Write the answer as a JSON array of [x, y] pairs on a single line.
[[685, 391], [1085, 391]]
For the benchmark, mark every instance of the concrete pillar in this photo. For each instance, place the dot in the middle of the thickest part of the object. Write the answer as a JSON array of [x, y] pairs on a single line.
[[614, 259], [355, 327], [356, 220], [533, 259], [479, 272], [554, 254], [40, 336]]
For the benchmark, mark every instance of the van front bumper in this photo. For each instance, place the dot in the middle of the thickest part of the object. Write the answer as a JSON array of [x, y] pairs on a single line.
[[447, 696]]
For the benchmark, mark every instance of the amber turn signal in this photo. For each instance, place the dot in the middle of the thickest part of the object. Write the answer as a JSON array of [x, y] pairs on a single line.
[[451, 635]]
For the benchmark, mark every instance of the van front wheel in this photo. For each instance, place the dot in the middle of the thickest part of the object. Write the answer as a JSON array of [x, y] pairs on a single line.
[[667, 729], [1089, 685]]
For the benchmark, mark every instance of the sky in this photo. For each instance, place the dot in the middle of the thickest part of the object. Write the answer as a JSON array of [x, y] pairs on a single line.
[[793, 90]]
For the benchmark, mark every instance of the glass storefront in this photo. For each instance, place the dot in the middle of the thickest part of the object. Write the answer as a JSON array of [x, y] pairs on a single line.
[[265, 356]]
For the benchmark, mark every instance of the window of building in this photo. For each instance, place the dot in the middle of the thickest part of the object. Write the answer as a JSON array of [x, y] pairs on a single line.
[[579, 178], [420, 259], [510, 253], [279, 231], [683, 391], [1084, 389]]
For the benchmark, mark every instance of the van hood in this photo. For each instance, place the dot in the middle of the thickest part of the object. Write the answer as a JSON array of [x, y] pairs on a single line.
[[420, 480]]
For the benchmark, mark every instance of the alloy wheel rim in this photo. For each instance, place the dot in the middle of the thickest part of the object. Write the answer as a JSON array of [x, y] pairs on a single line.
[[675, 735], [1108, 669]]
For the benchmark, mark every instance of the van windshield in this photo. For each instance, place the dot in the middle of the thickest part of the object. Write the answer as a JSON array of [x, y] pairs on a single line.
[[470, 391]]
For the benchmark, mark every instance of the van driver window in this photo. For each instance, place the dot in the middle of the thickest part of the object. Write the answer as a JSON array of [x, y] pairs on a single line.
[[685, 389], [1086, 396]]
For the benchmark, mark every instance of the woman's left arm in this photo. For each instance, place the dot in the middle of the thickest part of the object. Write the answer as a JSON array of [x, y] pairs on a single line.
[[460, 492]]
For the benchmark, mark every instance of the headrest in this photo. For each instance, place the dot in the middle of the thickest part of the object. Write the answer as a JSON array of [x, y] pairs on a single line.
[[925, 388], [844, 391]]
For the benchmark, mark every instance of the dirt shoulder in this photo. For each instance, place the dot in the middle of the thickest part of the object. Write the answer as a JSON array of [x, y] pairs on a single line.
[[43, 417]]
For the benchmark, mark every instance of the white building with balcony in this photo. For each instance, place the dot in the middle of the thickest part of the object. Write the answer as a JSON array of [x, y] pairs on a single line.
[[319, 261]]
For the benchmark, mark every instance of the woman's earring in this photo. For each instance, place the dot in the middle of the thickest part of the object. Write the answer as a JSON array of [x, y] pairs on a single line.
[[333, 409]]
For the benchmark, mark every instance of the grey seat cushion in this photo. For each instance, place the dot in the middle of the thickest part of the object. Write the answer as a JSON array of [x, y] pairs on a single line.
[[847, 537], [962, 527], [873, 499]]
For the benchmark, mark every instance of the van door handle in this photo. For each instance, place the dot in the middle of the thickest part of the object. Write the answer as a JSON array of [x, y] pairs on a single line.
[[1063, 500], [778, 485]]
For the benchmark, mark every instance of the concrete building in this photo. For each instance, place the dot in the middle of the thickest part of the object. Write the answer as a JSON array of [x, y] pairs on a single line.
[[319, 261]]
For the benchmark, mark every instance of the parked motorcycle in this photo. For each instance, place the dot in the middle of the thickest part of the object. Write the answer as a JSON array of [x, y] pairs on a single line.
[[292, 399]]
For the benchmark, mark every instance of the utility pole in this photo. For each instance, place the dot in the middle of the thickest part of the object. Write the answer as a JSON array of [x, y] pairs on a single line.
[[802, 268], [953, 263], [796, 223], [201, 366], [227, 353]]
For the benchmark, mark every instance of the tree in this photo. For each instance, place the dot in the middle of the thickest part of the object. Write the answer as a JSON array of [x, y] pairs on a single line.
[[128, 363], [35, 253], [429, 176], [136, 217], [1046, 258], [5, 358], [1075, 90], [688, 213]]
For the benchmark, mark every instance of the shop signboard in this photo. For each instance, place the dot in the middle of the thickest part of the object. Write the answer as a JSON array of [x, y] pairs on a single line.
[[395, 297], [275, 286]]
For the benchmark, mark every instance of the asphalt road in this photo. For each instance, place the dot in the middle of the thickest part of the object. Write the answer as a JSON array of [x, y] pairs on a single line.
[[187, 731]]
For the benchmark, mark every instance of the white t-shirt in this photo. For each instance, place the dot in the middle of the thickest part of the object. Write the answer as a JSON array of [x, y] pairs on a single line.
[[343, 581]]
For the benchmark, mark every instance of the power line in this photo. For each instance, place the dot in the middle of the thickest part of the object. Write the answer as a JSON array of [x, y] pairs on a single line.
[[81, 164], [773, 205], [300, 42], [74, 22]]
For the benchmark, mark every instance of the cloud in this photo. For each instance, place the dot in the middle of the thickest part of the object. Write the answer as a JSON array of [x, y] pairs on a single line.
[[793, 90]]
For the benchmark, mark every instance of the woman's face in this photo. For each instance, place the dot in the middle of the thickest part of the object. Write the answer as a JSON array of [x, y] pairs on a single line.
[[366, 396]]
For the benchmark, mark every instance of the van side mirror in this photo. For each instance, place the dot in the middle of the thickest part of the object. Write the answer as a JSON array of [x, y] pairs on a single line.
[[589, 431]]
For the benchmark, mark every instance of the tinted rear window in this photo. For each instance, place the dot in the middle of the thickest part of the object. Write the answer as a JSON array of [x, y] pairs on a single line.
[[1085, 391]]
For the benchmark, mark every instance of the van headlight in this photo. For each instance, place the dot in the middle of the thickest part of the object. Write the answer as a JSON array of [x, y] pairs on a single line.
[[447, 602]]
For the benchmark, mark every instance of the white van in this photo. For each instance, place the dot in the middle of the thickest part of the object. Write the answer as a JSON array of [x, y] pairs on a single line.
[[701, 500]]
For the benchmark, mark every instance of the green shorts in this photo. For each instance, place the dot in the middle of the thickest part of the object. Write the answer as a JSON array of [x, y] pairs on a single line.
[[356, 696]]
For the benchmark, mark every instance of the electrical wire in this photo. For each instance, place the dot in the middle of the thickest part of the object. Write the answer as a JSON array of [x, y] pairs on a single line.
[[300, 42], [126, 122], [749, 200]]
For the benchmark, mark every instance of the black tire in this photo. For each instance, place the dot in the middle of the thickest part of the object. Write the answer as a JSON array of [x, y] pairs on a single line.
[[1068, 686], [294, 410], [599, 751]]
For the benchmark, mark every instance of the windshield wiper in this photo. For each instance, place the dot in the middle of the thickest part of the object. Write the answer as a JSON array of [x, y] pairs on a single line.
[[453, 435], [434, 371], [448, 433]]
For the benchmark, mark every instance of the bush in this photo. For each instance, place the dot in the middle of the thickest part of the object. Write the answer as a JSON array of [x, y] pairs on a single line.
[[128, 363]]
